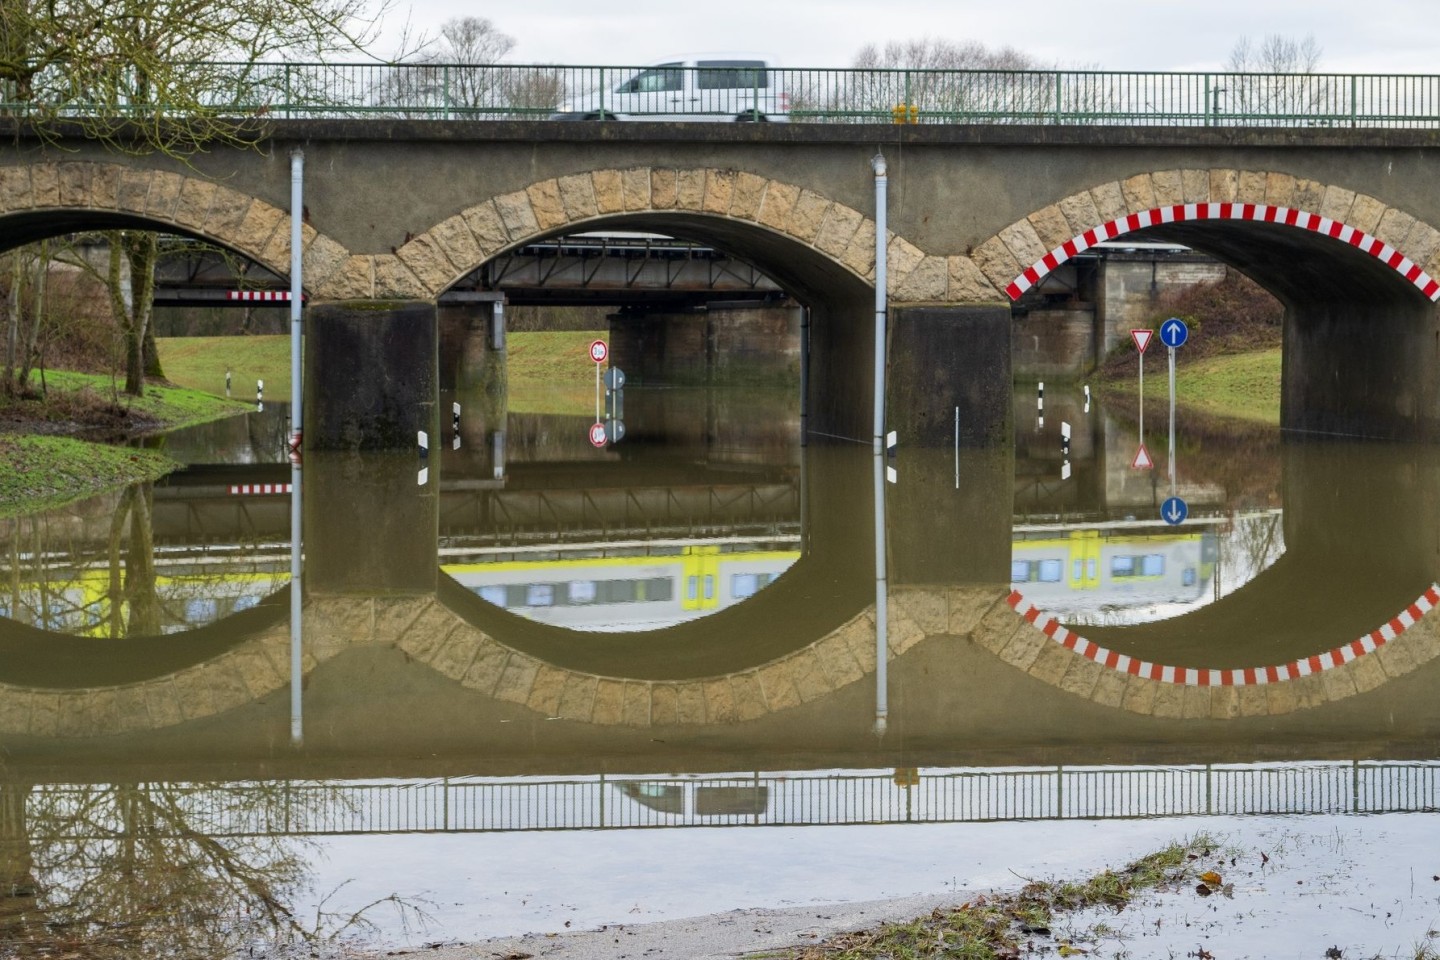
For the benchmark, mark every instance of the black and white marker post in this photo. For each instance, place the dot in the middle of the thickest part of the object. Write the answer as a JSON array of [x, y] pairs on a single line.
[[1040, 406], [455, 423], [422, 441], [1065, 450], [259, 396]]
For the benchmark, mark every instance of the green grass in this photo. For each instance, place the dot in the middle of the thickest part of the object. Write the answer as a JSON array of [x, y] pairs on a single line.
[[41, 473], [548, 372], [200, 364], [1244, 386], [68, 394]]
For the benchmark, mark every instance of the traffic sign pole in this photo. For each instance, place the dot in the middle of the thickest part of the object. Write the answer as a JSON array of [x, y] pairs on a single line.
[[1171, 351]]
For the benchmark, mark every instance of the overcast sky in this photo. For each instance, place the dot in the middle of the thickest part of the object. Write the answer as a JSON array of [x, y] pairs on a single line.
[[1379, 36]]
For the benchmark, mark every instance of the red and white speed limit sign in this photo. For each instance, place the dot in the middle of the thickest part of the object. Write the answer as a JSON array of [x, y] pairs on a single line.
[[599, 351], [597, 435]]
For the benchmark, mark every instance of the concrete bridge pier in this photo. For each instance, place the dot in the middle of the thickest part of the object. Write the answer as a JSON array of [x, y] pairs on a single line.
[[370, 527], [371, 375], [948, 361]]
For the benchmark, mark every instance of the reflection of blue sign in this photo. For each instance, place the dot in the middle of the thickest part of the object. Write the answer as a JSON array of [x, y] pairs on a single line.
[[1174, 333], [1174, 511]]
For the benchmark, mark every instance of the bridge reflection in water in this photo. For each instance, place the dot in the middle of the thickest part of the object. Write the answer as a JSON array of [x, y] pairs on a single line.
[[769, 798]]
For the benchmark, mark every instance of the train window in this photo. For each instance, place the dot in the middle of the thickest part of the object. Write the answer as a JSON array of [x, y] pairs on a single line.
[[1019, 571], [1051, 571], [1078, 570], [657, 588], [495, 595], [581, 591], [709, 586], [1090, 568], [744, 585], [1122, 566], [1187, 577], [1152, 565], [540, 595], [692, 588], [201, 609]]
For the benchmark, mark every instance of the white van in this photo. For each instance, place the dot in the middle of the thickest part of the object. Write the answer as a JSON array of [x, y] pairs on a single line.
[[737, 87]]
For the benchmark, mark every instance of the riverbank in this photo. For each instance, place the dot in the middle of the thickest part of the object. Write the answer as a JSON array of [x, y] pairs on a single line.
[[63, 447], [1288, 887]]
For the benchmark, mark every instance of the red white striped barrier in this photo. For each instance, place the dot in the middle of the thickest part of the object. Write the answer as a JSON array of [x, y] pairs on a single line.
[[250, 489], [267, 295], [1261, 212], [1235, 677]]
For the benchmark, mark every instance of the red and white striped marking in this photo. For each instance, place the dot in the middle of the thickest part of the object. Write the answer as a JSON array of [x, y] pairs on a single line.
[[267, 295], [252, 489], [1235, 677], [1262, 212]]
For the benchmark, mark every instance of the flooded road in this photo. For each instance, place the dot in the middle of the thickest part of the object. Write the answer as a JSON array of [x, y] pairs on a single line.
[[524, 647]]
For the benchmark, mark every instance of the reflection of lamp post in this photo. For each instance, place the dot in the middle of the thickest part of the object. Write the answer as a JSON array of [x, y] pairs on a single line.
[[1215, 102]]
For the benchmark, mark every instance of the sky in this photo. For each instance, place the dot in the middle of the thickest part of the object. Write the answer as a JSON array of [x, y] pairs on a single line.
[[1380, 36]]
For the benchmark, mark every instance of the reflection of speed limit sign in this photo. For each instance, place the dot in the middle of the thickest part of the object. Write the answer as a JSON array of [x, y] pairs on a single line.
[[597, 435], [598, 351]]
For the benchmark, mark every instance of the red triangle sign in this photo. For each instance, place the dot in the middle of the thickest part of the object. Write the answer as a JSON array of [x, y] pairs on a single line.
[[1142, 459], [1142, 340]]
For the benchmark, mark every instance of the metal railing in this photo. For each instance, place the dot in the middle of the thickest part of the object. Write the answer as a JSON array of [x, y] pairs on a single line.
[[513, 91], [470, 805]]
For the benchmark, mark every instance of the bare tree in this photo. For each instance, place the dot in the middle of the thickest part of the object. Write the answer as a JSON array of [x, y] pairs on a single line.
[[459, 75], [1273, 82]]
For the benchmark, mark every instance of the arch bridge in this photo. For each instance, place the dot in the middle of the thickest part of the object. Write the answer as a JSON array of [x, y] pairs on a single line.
[[1339, 223]]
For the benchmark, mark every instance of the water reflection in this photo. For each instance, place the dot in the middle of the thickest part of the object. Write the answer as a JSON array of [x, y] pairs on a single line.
[[685, 634], [115, 566], [635, 587]]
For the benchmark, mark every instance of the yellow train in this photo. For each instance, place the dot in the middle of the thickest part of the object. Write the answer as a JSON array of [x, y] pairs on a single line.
[[1091, 570], [625, 592]]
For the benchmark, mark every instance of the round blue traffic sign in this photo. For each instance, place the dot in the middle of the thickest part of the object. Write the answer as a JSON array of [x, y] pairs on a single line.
[[1174, 511], [1174, 333]]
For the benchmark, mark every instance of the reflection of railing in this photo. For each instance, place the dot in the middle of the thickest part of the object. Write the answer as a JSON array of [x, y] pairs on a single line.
[[901, 796]]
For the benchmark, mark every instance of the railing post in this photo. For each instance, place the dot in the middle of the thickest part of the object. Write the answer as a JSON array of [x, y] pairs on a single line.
[[289, 93], [1205, 105], [602, 93], [1059, 117], [1354, 99], [445, 91]]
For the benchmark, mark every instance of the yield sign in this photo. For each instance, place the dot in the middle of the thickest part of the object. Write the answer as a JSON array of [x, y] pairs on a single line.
[[1142, 340], [1142, 459]]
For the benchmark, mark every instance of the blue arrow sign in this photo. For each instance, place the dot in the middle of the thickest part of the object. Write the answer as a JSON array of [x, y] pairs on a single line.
[[1174, 511], [1174, 333]]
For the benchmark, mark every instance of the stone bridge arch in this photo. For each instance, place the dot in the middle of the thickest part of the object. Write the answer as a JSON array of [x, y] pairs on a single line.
[[1344, 264], [39, 200], [992, 621], [1017, 257], [836, 233]]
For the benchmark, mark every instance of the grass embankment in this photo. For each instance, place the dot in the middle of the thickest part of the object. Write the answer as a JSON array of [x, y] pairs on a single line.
[[548, 372], [39, 469], [1244, 386], [551, 371], [1005, 925], [39, 473], [200, 364]]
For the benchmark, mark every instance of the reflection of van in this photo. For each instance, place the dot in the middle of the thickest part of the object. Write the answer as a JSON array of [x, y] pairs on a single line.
[[699, 87]]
